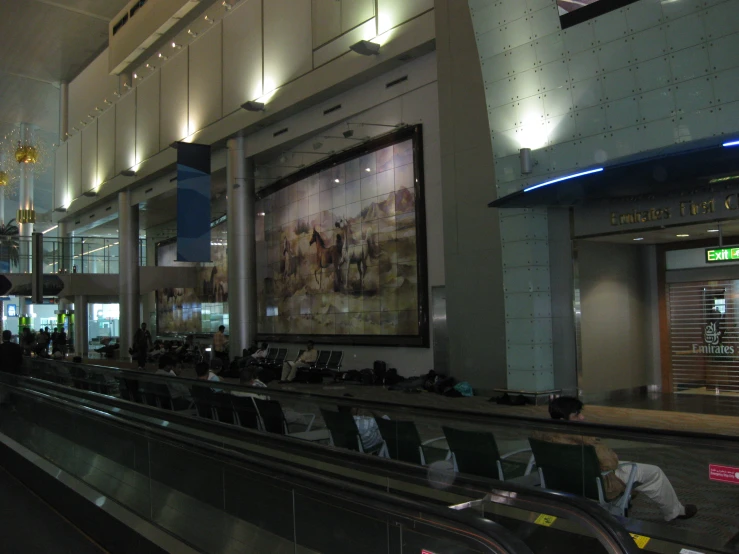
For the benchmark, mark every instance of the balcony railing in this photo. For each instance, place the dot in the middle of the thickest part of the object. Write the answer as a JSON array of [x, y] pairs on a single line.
[[68, 255]]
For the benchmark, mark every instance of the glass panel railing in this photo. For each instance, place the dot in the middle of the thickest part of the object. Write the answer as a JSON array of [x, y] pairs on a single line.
[[307, 417], [95, 255], [221, 501]]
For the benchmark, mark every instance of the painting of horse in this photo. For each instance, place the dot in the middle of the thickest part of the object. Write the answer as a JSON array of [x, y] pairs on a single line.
[[356, 250], [326, 256]]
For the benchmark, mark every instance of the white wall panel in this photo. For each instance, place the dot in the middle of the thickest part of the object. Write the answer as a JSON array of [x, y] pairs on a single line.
[[354, 12], [326, 21], [89, 163], [242, 55], [106, 145], [392, 13], [125, 132], [61, 196], [174, 100], [90, 88], [287, 41], [147, 117], [74, 166], [205, 83]]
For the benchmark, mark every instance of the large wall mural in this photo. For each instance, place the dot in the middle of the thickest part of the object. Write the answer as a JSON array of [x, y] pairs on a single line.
[[199, 310], [341, 253]]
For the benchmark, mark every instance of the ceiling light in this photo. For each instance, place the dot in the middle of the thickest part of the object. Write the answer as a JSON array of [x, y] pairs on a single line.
[[50, 230], [565, 178], [126, 86], [116, 93], [682, 236], [175, 45], [253, 106], [365, 48], [348, 133], [261, 214], [162, 56], [730, 144], [209, 20], [135, 76], [712, 231], [226, 5], [368, 170], [192, 33], [337, 181], [639, 238], [106, 101]]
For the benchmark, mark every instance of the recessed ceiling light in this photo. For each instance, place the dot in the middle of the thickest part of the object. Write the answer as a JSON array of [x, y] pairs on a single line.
[[261, 214], [337, 181], [368, 169], [682, 236], [639, 238], [712, 231]]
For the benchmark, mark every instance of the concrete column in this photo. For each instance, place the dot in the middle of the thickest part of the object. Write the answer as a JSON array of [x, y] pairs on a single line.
[[128, 272], [242, 261], [80, 325], [65, 260], [63, 111], [25, 202], [2, 207]]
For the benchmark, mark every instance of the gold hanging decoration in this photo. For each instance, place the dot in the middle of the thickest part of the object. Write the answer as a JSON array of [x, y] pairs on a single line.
[[26, 153], [4, 179]]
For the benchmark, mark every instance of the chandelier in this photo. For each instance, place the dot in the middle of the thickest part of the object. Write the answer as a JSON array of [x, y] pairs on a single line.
[[26, 153]]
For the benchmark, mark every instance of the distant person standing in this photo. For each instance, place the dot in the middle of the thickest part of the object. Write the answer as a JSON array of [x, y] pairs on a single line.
[[11, 354], [141, 344], [219, 345]]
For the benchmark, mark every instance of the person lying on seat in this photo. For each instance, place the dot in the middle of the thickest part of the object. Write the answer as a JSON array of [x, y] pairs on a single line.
[[651, 480]]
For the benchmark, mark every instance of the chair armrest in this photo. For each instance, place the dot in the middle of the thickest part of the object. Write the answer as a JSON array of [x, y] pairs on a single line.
[[509, 454], [309, 419], [431, 441]]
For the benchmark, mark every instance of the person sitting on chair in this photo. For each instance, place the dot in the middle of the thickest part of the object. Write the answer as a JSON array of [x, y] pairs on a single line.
[[261, 352], [249, 378], [289, 369], [650, 479]]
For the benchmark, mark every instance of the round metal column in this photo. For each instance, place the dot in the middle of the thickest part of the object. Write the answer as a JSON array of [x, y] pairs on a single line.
[[242, 266], [80, 326], [128, 270]]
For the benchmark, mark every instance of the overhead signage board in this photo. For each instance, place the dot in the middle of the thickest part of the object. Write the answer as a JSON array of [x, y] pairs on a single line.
[[722, 255]]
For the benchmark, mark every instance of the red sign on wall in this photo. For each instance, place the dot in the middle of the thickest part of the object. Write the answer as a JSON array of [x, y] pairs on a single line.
[[725, 474]]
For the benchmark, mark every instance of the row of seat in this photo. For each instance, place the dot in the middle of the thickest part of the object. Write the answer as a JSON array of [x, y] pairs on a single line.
[[568, 468], [574, 469], [326, 359]]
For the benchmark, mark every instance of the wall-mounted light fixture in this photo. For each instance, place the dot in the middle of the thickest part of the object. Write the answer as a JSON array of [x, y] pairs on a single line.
[[348, 133], [162, 56], [192, 33], [226, 5], [527, 164], [365, 48], [176, 46], [209, 20], [90, 193], [128, 173], [253, 106], [61, 209]]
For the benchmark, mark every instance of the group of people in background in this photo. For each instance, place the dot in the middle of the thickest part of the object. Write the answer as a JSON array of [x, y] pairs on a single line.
[[43, 343]]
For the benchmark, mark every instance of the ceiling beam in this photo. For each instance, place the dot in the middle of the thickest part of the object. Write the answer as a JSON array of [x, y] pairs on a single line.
[[74, 10]]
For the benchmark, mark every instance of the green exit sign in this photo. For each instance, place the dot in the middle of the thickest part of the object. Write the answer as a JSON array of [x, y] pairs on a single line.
[[722, 255]]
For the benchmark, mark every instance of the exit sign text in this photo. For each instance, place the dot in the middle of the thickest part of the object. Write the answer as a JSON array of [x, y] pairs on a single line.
[[714, 255]]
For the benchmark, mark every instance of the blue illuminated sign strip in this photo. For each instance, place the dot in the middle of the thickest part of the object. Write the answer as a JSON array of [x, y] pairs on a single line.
[[730, 144], [565, 178]]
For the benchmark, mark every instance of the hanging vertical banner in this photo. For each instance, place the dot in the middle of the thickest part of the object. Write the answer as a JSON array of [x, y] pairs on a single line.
[[193, 202]]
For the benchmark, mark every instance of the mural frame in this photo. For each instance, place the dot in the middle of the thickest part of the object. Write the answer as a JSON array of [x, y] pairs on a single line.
[[422, 339]]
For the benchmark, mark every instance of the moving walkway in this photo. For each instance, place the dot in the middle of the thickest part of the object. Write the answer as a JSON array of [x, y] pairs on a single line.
[[256, 486]]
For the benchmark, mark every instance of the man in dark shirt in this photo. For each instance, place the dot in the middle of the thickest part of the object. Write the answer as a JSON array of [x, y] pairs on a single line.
[[11, 354]]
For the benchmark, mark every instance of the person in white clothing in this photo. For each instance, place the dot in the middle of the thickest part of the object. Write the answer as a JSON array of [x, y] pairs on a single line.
[[290, 369], [261, 352], [650, 480], [249, 378]]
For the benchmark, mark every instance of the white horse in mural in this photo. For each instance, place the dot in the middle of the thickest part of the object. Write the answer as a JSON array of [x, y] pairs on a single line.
[[356, 250]]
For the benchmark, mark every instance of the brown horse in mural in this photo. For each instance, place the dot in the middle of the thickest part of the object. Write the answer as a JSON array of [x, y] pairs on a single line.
[[327, 256]]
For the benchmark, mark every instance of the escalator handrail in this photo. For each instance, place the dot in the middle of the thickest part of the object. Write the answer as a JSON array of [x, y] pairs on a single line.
[[603, 525], [623, 432], [488, 534]]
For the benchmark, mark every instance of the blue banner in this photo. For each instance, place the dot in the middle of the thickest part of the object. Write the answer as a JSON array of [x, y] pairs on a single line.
[[193, 202]]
